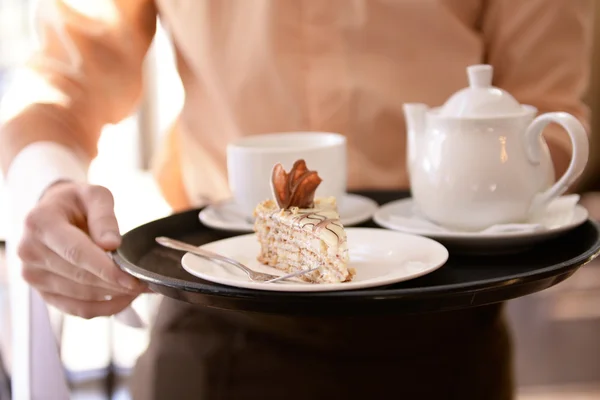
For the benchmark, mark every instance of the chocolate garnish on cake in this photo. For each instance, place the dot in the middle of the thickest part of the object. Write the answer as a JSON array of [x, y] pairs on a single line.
[[297, 231], [296, 188]]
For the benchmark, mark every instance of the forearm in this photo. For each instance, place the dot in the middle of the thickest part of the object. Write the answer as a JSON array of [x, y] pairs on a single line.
[[85, 74], [42, 123], [41, 143]]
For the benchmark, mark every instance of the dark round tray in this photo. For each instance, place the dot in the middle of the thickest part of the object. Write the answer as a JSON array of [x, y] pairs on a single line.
[[465, 281]]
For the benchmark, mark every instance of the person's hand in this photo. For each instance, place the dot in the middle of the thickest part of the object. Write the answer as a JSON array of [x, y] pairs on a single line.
[[63, 251]]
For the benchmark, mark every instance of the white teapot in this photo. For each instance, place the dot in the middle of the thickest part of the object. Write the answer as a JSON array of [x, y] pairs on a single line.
[[481, 160]]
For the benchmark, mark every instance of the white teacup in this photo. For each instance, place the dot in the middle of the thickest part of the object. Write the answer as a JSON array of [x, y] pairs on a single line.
[[250, 162]]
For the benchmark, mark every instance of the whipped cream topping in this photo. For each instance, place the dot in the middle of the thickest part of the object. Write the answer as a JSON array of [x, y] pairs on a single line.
[[323, 221]]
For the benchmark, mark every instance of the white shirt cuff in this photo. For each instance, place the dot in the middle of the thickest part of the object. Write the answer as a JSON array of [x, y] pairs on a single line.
[[36, 168]]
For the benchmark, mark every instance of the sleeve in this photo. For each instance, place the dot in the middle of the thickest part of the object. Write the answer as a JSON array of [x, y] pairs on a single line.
[[541, 51], [86, 73]]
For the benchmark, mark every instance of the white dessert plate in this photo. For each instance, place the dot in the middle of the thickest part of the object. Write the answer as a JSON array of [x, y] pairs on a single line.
[[354, 209], [395, 216], [379, 256]]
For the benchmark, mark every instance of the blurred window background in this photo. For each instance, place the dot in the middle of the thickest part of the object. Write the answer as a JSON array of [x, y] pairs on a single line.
[[557, 332]]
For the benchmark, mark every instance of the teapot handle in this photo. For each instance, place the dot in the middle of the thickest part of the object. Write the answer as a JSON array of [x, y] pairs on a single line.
[[579, 159]]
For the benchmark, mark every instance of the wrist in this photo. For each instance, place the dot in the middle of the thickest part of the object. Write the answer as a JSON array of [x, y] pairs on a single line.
[[35, 169], [57, 185]]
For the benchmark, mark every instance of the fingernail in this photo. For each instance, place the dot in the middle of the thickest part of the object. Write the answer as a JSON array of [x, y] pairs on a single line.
[[111, 237], [128, 282]]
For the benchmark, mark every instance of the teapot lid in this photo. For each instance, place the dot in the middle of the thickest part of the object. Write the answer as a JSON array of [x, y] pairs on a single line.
[[480, 99]]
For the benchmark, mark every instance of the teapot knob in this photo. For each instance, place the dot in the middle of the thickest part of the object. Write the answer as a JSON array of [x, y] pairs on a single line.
[[480, 76]]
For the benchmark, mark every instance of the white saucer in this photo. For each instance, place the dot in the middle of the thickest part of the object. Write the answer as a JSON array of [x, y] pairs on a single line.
[[380, 257], [473, 241], [354, 210]]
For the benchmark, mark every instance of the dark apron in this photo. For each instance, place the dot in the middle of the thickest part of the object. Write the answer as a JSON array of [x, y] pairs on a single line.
[[201, 353]]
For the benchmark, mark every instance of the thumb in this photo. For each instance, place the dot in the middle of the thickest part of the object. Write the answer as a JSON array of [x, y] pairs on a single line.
[[101, 221]]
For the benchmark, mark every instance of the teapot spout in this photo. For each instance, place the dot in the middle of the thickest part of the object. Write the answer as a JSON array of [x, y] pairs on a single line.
[[414, 114]]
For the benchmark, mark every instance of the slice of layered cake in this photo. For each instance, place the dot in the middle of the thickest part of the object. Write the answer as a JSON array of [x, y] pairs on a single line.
[[298, 232]]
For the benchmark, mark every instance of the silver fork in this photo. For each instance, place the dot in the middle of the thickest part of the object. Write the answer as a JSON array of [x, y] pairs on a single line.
[[209, 255]]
